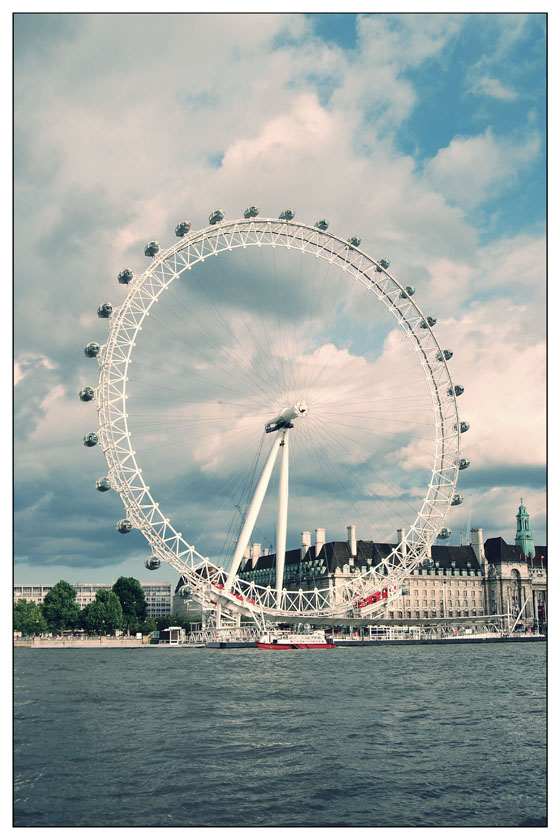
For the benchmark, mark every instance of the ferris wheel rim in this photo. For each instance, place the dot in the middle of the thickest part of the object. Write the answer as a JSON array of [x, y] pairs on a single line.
[[126, 321]]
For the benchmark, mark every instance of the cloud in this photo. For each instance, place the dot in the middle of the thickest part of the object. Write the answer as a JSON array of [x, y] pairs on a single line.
[[126, 124], [486, 86], [504, 378], [472, 169]]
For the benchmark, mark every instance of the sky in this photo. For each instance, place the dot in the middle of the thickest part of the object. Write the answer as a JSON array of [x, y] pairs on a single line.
[[422, 134]]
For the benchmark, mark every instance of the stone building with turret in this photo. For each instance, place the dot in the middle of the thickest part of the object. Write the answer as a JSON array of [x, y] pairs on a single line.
[[487, 577]]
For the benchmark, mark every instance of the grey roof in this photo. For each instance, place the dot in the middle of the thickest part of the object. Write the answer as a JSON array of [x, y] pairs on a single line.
[[498, 551], [540, 559], [336, 554]]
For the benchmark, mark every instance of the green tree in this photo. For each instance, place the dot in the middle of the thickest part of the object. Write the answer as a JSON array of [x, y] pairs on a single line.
[[59, 607], [164, 621], [113, 610], [148, 626], [92, 617], [132, 600], [28, 618], [104, 614]]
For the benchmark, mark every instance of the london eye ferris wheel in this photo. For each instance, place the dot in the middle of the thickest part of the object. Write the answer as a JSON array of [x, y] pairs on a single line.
[[264, 376]]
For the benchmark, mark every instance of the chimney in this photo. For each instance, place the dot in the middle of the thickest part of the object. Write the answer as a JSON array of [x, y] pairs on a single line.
[[255, 554], [352, 540], [265, 551], [319, 540], [305, 543], [401, 541], [477, 542]]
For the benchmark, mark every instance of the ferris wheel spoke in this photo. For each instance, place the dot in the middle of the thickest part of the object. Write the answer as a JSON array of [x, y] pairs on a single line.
[[231, 372], [335, 464]]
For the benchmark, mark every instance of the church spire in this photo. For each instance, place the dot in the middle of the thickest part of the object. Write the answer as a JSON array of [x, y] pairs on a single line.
[[523, 536]]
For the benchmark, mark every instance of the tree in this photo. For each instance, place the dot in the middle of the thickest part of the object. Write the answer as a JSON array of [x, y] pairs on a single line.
[[59, 607], [132, 600], [92, 617], [104, 614], [148, 626], [113, 610], [28, 618], [164, 621]]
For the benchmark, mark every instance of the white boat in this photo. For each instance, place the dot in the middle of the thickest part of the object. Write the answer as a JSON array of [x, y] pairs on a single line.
[[294, 641]]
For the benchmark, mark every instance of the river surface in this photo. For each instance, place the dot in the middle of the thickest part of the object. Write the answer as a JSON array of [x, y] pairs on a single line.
[[403, 736]]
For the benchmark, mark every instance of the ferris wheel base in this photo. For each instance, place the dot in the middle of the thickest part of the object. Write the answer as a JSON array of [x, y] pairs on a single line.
[[230, 607]]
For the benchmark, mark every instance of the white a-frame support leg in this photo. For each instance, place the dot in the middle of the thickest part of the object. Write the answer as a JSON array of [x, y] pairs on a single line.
[[282, 522], [254, 509]]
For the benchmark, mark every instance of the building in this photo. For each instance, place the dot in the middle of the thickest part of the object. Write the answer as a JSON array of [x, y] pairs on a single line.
[[158, 595], [483, 578]]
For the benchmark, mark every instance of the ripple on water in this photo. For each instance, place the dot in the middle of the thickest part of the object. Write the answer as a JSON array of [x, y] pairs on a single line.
[[367, 737]]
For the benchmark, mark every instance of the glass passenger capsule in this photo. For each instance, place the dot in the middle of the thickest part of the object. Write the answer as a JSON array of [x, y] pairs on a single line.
[[91, 350], [151, 248], [383, 263], [355, 241], [462, 463], [444, 354], [428, 322], [216, 216], [407, 292], [152, 563], [457, 499], [444, 534], [463, 426], [125, 276], [287, 215], [457, 390], [322, 224], [251, 212], [90, 439], [124, 526], [86, 394], [103, 484], [104, 311], [182, 228]]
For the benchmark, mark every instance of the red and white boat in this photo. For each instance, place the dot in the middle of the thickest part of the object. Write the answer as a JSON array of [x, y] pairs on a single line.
[[295, 641]]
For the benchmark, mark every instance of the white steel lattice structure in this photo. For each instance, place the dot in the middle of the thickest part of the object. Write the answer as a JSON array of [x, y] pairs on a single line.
[[210, 584]]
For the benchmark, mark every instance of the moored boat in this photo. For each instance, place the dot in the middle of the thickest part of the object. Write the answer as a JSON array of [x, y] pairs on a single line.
[[295, 641]]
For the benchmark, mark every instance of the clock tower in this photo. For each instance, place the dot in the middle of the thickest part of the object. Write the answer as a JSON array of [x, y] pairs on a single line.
[[523, 536]]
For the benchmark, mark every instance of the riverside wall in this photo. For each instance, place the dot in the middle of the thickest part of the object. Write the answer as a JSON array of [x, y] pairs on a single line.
[[82, 643]]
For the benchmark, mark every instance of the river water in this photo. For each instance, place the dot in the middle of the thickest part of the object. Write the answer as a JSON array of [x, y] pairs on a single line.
[[403, 736]]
